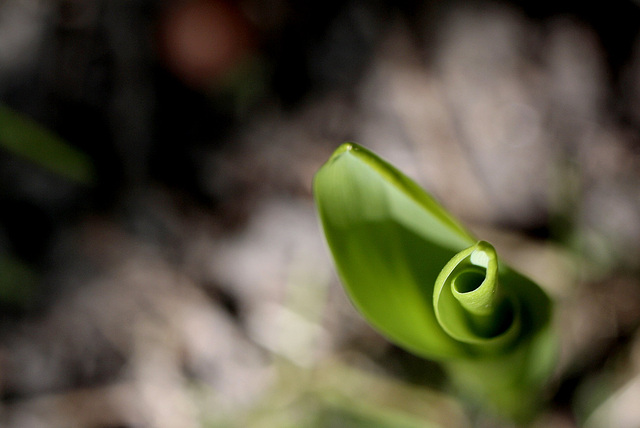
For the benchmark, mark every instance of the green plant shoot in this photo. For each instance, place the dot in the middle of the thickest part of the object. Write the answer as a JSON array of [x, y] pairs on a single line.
[[421, 279]]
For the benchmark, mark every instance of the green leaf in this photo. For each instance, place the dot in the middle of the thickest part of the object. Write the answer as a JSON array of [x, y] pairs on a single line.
[[24, 137], [469, 302], [427, 284], [389, 240], [18, 282]]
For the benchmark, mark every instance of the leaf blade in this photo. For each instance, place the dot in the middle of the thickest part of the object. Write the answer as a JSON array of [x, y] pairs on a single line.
[[26, 138], [389, 240]]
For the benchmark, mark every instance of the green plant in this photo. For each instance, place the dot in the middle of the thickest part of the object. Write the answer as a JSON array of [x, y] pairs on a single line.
[[24, 137], [420, 278]]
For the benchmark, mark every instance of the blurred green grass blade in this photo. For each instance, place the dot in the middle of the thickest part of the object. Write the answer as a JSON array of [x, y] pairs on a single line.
[[389, 240], [24, 137], [386, 399], [18, 282]]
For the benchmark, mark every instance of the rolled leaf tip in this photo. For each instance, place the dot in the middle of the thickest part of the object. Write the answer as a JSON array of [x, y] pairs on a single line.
[[475, 281]]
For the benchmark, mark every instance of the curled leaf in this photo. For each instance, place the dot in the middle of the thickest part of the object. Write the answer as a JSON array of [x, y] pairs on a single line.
[[419, 277], [469, 302]]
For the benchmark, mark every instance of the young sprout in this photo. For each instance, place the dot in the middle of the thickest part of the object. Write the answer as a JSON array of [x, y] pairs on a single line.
[[427, 284]]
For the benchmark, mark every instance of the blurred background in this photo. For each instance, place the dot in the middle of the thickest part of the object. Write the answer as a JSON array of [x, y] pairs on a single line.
[[161, 264]]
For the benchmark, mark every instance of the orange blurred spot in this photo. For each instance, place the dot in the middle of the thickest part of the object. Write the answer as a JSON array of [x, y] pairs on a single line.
[[202, 40]]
